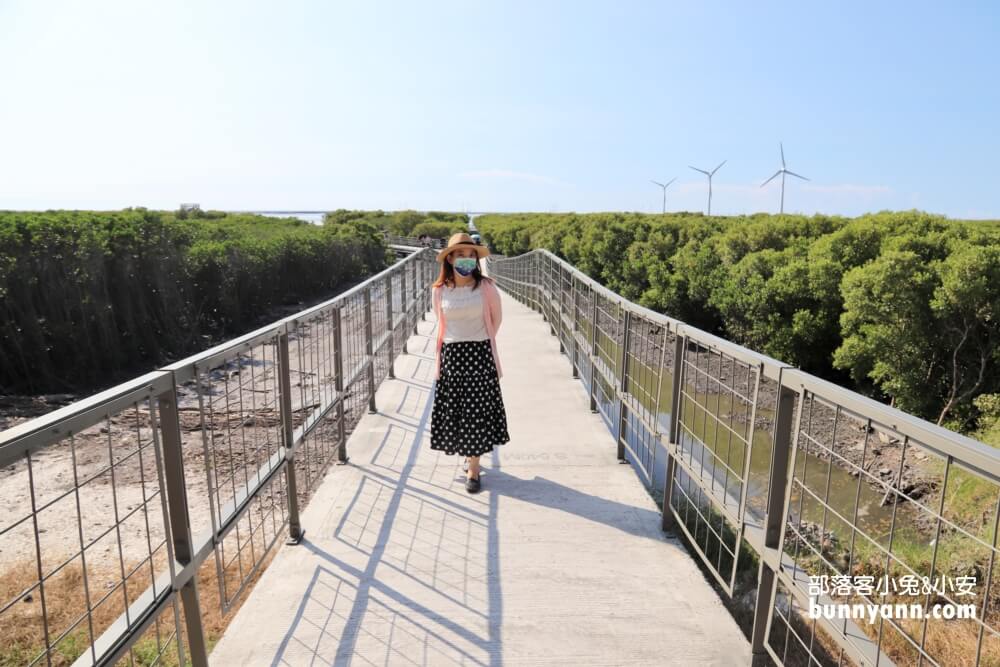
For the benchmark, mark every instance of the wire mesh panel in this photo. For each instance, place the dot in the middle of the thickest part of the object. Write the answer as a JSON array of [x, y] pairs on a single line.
[[758, 483], [717, 399], [401, 322], [316, 451], [83, 532], [89, 557], [241, 430], [605, 354], [716, 402], [161, 643], [550, 293], [380, 330], [112, 504], [313, 364], [355, 402], [584, 315], [876, 496], [794, 639], [315, 347], [411, 295], [818, 480], [354, 323], [577, 350], [242, 550], [564, 299], [645, 355]]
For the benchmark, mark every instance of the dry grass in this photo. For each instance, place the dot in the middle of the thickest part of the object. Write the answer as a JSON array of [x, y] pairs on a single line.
[[22, 629], [950, 642]]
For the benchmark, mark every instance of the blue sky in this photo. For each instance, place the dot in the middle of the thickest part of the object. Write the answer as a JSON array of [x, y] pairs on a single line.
[[545, 106]]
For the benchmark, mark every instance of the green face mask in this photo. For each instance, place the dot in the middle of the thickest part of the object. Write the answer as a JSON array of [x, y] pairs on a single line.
[[465, 265]]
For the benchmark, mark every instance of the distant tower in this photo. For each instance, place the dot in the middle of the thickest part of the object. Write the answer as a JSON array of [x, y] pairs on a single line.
[[710, 174], [782, 171], [664, 186]]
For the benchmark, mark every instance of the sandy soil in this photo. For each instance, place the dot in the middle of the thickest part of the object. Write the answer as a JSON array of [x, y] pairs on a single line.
[[78, 493]]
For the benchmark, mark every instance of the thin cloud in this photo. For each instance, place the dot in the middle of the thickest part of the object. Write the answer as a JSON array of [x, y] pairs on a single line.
[[717, 187], [847, 188], [836, 189], [510, 175]]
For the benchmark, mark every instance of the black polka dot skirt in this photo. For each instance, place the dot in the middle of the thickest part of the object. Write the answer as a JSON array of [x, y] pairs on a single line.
[[468, 416]]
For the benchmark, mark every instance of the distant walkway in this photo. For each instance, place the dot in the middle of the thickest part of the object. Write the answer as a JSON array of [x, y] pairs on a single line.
[[559, 560]]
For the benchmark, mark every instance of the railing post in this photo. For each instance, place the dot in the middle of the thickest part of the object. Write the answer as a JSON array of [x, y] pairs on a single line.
[[421, 282], [528, 276], [774, 522], [563, 311], [428, 278], [529, 279], [545, 273], [624, 318], [392, 328], [680, 342], [180, 521], [368, 351], [593, 350], [535, 289], [404, 303], [338, 379], [416, 298], [540, 286], [576, 342], [522, 275], [552, 266], [555, 323], [295, 531], [659, 394]]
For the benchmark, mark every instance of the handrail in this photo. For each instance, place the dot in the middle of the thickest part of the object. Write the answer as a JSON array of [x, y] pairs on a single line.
[[722, 403], [225, 444], [415, 241]]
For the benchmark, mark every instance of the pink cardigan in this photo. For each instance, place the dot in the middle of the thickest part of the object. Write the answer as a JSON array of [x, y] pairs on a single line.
[[492, 316]]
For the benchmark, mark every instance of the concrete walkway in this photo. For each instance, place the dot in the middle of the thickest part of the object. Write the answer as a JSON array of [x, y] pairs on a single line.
[[559, 560]]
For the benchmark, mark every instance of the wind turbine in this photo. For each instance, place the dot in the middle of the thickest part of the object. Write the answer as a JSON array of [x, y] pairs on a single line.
[[710, 174], [664, 186], [782, 171]]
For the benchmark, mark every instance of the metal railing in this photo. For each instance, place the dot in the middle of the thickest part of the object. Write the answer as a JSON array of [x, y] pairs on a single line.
[[113, 504], [756, 460], [415, 241]]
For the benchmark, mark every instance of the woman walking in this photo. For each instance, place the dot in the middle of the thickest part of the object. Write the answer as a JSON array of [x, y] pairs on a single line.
[[468, 415]]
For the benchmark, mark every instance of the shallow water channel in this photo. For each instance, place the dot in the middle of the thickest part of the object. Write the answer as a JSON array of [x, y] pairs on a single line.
[[844, 492]]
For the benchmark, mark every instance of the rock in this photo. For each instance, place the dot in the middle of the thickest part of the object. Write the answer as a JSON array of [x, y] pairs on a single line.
[[814, 534], [884, 472], [917, 490]]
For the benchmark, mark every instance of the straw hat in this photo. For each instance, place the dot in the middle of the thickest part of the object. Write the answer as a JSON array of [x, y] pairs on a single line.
[[459, 240]]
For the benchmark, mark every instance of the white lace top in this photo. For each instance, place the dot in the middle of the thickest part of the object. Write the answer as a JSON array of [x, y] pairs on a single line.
[[463, 313]]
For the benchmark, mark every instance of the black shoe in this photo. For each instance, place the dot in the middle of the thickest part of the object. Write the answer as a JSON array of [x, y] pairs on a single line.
[[472, 484]]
